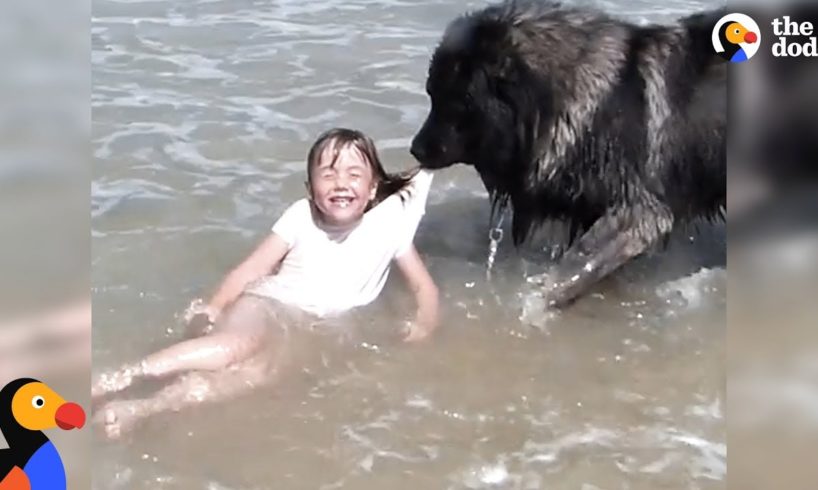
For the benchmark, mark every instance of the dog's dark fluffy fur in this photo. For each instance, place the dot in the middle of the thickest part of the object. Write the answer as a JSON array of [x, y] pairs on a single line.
[[571, 114]]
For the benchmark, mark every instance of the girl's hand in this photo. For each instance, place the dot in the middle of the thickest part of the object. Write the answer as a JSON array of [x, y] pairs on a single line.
[[426, 295], [200, 319], [416, 332]]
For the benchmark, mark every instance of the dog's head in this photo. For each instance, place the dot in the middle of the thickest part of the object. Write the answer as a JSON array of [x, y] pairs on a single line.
[[484, 101]]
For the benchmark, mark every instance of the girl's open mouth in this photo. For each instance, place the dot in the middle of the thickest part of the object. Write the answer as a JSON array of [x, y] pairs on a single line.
[[341, 201]]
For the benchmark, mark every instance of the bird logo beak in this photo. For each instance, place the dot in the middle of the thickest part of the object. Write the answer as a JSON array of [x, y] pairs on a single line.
[[70, 416]]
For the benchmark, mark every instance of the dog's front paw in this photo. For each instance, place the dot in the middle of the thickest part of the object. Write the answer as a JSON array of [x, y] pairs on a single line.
[[560, 293], [538, 279]]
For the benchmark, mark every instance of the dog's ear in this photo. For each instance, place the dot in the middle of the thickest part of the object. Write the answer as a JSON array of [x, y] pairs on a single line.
[[532, 102], [493, 45], [482, 42]]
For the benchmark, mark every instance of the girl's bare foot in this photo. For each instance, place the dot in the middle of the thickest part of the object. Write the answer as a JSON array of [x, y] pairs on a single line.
[[118, 417], [114, 382]]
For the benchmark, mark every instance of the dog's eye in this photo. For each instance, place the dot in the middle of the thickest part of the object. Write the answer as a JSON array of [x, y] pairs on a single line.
[[469, 102]]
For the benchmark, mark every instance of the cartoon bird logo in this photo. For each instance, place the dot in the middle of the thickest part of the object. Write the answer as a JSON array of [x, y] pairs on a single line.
[[31, 462], [736, 37]]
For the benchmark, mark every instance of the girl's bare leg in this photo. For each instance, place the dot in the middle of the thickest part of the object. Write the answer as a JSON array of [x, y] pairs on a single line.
[[64, 324], [119, 417], [210, 353], [69, 357], [235, 339], [57, 341]]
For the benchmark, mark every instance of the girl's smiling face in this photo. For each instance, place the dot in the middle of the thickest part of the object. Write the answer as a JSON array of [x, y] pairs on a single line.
[[341, 186]]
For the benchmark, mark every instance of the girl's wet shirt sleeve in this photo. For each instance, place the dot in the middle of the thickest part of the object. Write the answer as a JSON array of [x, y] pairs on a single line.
[[413, 210], [291, 221]]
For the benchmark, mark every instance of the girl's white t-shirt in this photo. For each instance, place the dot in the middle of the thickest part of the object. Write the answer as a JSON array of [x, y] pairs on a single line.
[[327, 274]]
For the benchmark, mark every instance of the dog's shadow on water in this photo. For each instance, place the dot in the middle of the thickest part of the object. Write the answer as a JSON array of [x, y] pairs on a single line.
[[457, 230]]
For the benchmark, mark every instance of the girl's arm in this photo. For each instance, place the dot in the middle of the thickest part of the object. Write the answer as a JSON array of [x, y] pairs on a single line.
[[426, 295], [261, 262]]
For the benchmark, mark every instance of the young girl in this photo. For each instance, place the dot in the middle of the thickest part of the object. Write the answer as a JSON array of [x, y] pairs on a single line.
[[327, 254]]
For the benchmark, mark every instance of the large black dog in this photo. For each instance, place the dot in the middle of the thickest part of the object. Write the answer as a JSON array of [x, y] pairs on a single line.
[[569, 114]]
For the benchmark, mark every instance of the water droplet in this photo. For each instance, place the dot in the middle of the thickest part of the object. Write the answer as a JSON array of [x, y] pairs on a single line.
[[494, 475]]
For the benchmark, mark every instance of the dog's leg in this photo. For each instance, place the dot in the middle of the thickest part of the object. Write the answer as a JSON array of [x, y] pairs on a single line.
[[613, 240]]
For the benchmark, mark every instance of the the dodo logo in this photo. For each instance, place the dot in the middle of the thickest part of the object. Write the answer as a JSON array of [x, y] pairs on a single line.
[[736, 37], [28, 407]]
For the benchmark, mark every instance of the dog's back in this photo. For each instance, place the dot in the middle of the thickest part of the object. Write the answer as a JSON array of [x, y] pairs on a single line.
[[695, 81]]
